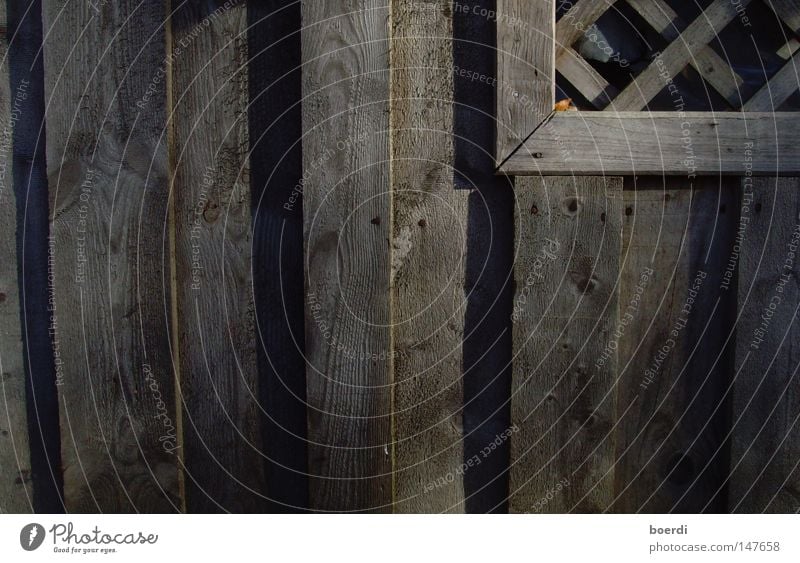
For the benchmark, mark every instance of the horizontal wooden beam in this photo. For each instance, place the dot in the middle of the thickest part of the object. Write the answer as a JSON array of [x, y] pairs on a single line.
[[627, 143]]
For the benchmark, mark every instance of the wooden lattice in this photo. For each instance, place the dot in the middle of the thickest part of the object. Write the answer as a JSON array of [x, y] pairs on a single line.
[[688, 46], [629, 137]]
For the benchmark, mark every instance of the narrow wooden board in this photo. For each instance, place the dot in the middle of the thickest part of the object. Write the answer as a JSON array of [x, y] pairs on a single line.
[[16, 494], [642, 143], [348, 224], [677, 55], [213, 245], [107, 168], [428, 253], [525, 69], [765, 441], [565, 306], [674, 368]]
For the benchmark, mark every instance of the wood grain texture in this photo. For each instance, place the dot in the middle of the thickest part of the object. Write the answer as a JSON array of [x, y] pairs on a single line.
[[570, 64], [674, 369], [655, 143], [585, 79], [107, 168], [428, 253], [16, 495], [566, 303], [713, 68], [525, 70], [765, 441], [347, 213], [213, 233], [677, 55], [778, 89]]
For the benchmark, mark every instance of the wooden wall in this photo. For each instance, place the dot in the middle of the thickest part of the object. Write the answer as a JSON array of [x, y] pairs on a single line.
[[256, 259]]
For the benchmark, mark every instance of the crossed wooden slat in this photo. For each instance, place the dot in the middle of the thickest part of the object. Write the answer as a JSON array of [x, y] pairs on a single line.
[[688, 46]]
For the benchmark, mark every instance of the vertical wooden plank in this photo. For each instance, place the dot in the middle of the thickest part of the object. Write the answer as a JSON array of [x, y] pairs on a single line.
[[565, 306], [674, 324], [15, 464], [567, 247], [429, 249], [107, 168], [765, 443], [526, 86], [215, 310], [347, 212]]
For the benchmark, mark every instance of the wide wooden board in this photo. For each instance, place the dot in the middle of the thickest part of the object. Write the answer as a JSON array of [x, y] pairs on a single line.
[[569, 234], [213, 247], [765, 434], [105, 102], [348, 225]]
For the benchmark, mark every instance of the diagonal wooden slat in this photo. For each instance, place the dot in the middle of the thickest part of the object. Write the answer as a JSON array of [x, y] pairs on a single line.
[[789, 48], [788, 11], [706, 61], [585, 79], [577, 20], [778, 89], [676, 56]]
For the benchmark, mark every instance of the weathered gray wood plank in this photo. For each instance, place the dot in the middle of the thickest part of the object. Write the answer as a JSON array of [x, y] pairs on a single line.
[[15, 469], [348, 224], [429, 249], [656, 143], [674, 370], [213, 246], [107, 168], [765, 441], [525, 69], [565, 306], [585, 79]]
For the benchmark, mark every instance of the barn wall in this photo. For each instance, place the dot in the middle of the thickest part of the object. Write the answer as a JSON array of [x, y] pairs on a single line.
[[287, 279]]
